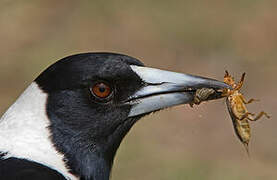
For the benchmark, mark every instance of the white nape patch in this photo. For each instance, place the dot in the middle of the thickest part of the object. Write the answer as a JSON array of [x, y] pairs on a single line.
[[24, 131]]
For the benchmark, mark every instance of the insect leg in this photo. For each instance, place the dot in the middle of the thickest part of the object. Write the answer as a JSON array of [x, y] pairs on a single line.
[[226, 73], [246, 115], [259, 116], [249, 101], [239, 85]]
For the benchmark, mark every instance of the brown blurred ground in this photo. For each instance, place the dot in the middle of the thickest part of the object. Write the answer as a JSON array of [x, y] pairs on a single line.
[[203, 38]]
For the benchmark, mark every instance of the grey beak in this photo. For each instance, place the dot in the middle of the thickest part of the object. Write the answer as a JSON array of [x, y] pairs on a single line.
[[165, 89]]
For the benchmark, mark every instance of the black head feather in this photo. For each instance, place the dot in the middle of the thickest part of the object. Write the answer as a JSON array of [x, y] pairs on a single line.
[[86, 131]]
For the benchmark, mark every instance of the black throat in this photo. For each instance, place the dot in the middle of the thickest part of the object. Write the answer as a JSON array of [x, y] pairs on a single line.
[[86, 157]]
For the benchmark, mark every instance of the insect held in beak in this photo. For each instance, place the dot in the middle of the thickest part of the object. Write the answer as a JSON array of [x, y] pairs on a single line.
[[236, 105], [202, 95]]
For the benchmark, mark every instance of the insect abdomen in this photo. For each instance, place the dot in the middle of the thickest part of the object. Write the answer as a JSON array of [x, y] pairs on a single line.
[[243, 130], [241, 127]]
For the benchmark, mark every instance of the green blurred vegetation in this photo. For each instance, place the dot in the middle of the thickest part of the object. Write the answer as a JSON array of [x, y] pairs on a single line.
[[197, 37]]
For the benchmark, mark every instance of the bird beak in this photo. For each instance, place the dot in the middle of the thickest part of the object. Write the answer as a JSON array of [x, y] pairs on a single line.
[[164, 89]]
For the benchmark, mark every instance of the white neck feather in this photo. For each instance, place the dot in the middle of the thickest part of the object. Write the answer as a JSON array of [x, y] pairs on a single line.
[[24, 131]]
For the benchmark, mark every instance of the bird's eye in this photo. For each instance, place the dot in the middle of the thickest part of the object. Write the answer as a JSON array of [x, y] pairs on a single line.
[[101, 90]]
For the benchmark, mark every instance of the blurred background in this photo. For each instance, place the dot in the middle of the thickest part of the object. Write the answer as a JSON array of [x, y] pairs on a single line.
[[203, 38]]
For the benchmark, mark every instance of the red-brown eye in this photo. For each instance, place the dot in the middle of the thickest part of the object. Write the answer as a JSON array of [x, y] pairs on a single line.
[[101, 90]]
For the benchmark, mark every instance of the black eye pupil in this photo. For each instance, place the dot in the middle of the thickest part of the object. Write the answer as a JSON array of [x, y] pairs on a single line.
[[102, 89]]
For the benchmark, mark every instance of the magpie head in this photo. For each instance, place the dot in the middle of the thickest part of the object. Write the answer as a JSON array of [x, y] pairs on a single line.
[[93, 100], [87, 107]]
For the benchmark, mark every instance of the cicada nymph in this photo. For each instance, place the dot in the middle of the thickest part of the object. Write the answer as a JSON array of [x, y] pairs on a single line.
[[236, 105]]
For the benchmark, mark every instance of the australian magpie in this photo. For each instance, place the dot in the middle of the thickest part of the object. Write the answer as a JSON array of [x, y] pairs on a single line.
[[69, 123]]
